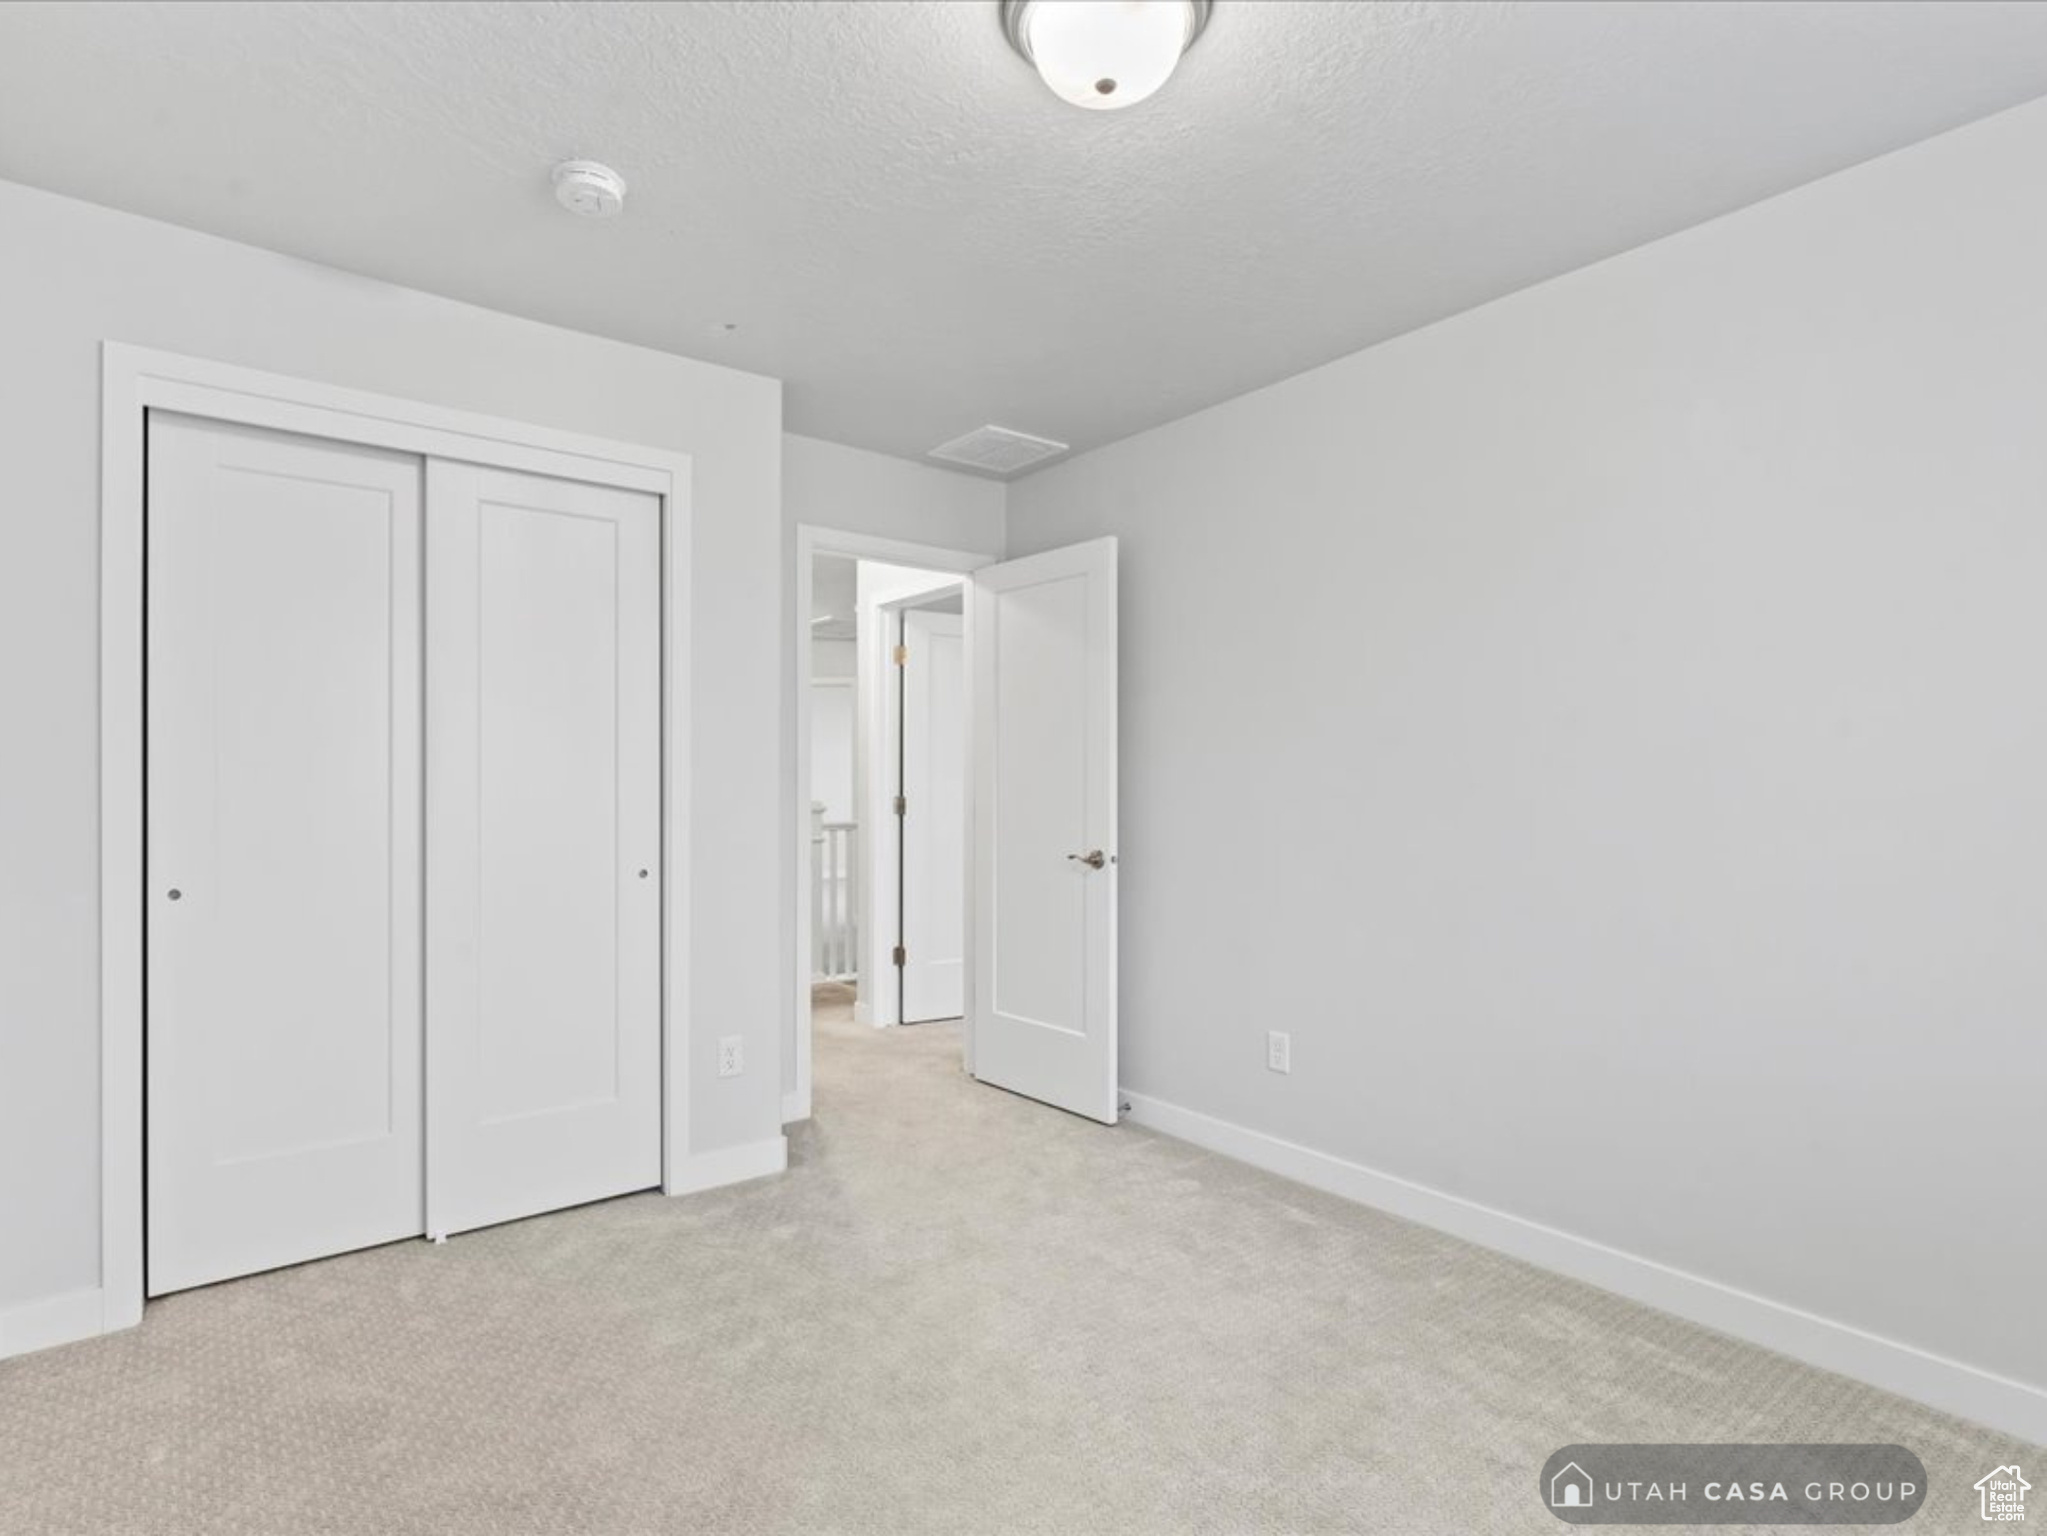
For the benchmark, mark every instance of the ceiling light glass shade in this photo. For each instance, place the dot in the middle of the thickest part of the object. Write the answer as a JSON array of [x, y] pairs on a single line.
[[1104, 54]]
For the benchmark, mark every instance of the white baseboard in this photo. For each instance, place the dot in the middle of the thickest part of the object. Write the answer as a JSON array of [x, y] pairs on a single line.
[[54, 1320], [728, 1165], [1964, 1390], [795, 1107]]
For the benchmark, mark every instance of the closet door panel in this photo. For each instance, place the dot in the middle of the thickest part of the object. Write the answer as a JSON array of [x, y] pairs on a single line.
[[284, 846], [543, 844], [548, 753]]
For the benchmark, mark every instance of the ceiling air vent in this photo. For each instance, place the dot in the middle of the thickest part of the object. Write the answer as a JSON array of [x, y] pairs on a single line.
[[997, 450]]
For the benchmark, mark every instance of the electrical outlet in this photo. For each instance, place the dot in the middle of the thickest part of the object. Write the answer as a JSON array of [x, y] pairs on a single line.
[[731, 1055], [1279, 1051]]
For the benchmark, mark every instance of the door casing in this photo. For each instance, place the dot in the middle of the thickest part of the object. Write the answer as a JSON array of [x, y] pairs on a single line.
[[135, 380]]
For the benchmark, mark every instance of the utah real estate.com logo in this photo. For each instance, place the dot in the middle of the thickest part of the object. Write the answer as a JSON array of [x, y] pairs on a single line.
[[2004, 1494]]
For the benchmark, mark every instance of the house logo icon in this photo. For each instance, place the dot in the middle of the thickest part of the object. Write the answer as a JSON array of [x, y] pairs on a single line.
[[2004, 1494], [1571, 1488]]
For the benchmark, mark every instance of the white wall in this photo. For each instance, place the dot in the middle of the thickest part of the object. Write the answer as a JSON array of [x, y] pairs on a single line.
[[831, 747], [831, 727], [831, 658], [72, 275], [1607, 729], [829, 485]]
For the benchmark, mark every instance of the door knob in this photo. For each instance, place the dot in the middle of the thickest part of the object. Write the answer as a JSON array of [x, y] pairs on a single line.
[[1094, 858]]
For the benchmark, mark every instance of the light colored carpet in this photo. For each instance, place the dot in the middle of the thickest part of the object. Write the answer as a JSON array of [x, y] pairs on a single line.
[[958, 1313]]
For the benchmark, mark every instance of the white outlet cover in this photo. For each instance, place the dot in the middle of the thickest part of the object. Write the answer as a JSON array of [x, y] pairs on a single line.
[[1279, 1051], [731, 1055]]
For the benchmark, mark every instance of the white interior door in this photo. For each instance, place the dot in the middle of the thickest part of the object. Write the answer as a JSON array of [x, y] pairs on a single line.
[[934, 788], [283, 853], [543, 844], [1044, 794]]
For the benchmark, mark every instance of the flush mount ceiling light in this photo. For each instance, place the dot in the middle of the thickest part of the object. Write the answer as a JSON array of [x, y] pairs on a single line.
[[1104, 54]]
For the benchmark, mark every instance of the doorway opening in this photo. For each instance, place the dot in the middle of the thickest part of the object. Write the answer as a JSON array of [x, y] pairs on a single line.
[[975, 876], [887, 827], [881, 803]]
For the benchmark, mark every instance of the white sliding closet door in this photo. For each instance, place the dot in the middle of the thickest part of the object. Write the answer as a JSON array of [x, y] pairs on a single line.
[[283, 854], [543, 844]]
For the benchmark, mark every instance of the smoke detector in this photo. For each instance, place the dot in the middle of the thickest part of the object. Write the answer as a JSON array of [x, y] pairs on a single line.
[[589, 190], [997, 450]]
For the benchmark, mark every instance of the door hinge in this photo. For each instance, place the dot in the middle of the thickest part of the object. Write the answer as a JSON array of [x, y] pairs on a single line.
[[902, 955], [902, 805], [902, 654]]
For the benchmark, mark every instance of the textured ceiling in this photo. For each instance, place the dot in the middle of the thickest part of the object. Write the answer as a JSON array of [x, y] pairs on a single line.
[[915, 235]]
